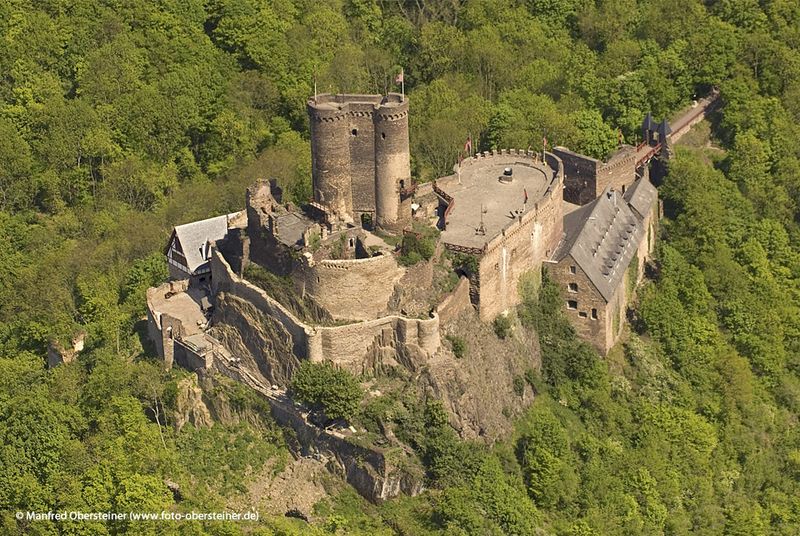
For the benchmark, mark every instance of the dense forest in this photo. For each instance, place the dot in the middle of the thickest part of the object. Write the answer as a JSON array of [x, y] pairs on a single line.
[[122, 118]]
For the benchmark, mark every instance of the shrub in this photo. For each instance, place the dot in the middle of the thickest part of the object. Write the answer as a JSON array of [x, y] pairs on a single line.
[[325, 387], [418, 246], [459, 345], [502, 326], [465, 263]]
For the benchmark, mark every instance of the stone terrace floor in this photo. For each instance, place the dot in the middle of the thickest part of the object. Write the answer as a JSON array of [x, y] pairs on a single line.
[[480, 186], [182, 305]]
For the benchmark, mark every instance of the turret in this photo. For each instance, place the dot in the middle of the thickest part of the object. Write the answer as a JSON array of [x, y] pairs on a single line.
[[330, 157], [392, 163]]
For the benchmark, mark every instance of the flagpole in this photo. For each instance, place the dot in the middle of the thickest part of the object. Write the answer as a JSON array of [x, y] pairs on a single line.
[[402, 84]]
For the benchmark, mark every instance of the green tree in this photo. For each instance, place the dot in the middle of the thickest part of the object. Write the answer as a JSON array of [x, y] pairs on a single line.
[[326, 387]]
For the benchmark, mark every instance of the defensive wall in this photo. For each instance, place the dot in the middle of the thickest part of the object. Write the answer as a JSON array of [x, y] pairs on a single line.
[[353, 289], [585, 178], [455, 303], [357, 347], [522, 245]]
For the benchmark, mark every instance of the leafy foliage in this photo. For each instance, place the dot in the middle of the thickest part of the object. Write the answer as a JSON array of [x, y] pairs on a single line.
[[326, 387], [119, 120]]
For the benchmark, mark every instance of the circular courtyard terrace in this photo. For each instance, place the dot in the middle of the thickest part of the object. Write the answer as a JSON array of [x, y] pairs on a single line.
[[485, 199]]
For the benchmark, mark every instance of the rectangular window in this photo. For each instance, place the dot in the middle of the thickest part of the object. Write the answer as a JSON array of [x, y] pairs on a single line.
[[573, 287], [573, 270], [572, 305], [594, 314], [582, 314]]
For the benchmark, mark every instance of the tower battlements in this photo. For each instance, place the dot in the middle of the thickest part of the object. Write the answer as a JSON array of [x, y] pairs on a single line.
[[360, 157]]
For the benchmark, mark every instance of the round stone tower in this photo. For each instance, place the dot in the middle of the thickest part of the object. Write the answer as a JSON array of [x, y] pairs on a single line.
[[330, 166], [392, 164]]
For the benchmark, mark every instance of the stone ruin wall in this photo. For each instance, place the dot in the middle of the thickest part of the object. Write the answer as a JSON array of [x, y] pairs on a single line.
[[357, 289], [356, 347]]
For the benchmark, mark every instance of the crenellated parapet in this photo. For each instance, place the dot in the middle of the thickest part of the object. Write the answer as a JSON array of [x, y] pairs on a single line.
[[360, 157]]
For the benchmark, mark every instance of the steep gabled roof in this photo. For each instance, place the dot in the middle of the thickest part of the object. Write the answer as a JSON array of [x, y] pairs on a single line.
[[602, 238], [648, 123], [641, 196], [194, 238]]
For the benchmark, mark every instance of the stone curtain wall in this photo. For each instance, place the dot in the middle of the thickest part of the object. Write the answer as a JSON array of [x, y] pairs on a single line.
[[355, 347], [367, 346], [580, 176], [521, 247], [357, 289], [618, 173], [585, 177]]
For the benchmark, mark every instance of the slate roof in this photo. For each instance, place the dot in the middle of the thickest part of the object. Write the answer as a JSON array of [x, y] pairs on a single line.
[[602, 238], [641, 196], [648, 123], [194, 236]]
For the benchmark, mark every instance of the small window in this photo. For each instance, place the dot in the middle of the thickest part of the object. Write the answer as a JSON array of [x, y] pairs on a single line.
[[352, 243], [572, 305], [573, 287], [623, 188], [402, 184], [582, 314], [354, 132], [594, 314], [573, 270], [383, 135]]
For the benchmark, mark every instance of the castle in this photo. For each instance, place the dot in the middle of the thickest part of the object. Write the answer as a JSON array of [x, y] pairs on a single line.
[[324, 279]]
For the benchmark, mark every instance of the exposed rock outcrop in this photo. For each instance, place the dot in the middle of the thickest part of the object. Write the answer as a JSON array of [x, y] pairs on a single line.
[[189, 405], [486, 389], [256, 338]]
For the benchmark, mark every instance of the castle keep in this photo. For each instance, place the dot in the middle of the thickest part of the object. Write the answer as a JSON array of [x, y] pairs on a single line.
[[360, 158]]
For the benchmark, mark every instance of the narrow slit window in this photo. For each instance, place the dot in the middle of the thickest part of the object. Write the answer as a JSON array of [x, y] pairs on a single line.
[[594, 314]]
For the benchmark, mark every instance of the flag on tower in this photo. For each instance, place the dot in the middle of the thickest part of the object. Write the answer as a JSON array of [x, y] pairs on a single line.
[[544, 141], [468, 146], [399, 78]]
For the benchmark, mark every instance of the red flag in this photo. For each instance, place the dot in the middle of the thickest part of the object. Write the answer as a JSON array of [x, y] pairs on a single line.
[[525, 191], [544, 141], [399, 78], [468, 146]]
